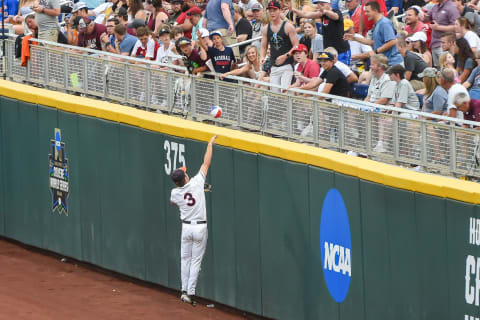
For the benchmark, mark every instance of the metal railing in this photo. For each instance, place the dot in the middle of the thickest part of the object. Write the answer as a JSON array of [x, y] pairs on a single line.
[[341, 124]]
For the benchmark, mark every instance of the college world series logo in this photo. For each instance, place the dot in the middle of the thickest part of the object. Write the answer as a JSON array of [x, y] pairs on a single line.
[[58, 173]]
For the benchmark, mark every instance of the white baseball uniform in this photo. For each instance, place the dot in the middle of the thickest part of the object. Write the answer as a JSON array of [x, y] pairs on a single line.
[[191, 201]]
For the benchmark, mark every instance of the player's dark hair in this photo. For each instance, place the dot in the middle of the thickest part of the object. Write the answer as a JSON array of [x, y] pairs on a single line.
[[374, 5]]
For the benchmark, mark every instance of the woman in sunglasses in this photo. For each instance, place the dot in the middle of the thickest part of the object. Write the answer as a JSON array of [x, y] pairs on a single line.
[[418, 44]]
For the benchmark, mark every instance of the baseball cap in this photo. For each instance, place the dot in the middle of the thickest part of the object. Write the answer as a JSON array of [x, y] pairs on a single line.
[[79, 5], [397, 68], [204, 32], [325, 56], [347, 24], [320, 1], [215, 33], [83, 23], [183, 41], [194, 11], [179, 174], [137, 23], [300, 47], [257, 7], [176, 1], [428, 72], [163, 31], [418, 36], [274, 5]]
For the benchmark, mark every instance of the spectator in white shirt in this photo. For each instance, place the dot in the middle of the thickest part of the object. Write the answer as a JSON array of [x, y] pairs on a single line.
[[360, 52], [463, 28]]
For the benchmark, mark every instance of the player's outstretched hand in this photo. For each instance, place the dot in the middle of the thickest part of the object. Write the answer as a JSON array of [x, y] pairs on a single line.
[[212, 140]]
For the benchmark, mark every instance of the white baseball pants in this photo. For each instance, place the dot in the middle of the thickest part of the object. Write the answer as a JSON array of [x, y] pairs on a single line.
[[193, 245]]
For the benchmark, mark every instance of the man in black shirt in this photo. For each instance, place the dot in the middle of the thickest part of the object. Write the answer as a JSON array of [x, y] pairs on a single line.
[[282, 37], [332, 27], [414, 64], [334, 81]]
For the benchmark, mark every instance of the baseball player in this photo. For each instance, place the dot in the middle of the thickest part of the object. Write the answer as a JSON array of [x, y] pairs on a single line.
[[189, 196]]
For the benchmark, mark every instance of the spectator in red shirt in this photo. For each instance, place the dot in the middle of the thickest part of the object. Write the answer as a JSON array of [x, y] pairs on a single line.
[[354, 12], [90, 34], [146, 47], [412, 21], [182, 21], [307, 69], [470, 108], [365, 24], [191, 57]]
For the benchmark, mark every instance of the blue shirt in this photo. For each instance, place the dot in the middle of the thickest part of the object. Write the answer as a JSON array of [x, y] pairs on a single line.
[[394, 3], [12, 8], [221, 60], [215, 16], [128, 43], [382, 33]]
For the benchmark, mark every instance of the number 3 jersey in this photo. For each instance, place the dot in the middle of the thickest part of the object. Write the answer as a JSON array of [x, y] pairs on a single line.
[[190, 199]]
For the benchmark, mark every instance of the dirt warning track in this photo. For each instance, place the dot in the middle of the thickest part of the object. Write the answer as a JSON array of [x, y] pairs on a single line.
[[35, 285]]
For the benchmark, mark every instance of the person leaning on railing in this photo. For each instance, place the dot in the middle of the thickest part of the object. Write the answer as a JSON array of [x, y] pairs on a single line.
[[251, 68]]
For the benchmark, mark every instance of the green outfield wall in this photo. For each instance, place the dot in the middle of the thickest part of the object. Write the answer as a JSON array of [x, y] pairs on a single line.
[[295, 232]]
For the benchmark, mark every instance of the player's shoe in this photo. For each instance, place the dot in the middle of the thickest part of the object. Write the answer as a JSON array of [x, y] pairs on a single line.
[[185, 298]]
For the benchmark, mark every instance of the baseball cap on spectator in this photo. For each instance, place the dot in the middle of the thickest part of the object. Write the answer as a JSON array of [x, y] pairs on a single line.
[[179, 174], [163, 31], [137, 23], [418, 36], [84, 22], [347, 24], [257, 7], [325, 56], [428, 73], [79, 5], [204, 32], [176, 1], [300, 47], [274, 5], [320, 1], [215, 33], [183, 41], [194, 11]]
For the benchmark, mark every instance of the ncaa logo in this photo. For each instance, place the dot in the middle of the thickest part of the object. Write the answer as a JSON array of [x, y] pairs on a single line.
[[336, 245]]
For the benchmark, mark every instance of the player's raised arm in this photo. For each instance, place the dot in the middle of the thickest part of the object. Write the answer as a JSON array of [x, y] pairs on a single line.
[[207, 158]]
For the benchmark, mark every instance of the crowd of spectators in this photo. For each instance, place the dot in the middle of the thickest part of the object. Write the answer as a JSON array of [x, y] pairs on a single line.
[[410, 54]]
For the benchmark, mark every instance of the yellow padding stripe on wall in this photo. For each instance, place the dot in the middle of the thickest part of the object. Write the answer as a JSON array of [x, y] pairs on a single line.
[[362, 168]]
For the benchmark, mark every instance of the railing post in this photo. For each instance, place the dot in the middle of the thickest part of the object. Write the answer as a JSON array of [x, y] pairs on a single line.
[[289, 116], [170, 90], [453, 148], [341, 127], [65, 71], [395, 135], [46, 66], [85, 73], [148, 87], [314, 121], [193, 96], [423, 143], [368, 132], [215, 92], [127, 82], [240, 104]]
